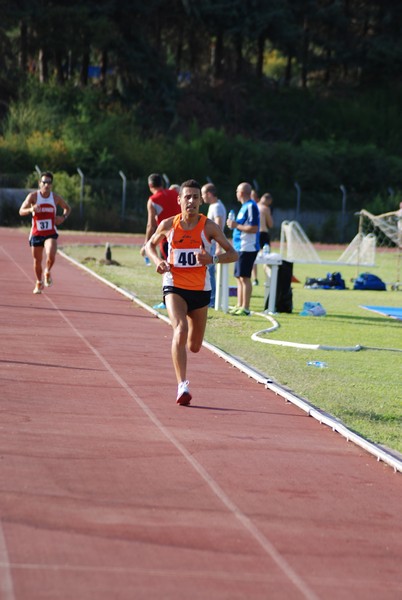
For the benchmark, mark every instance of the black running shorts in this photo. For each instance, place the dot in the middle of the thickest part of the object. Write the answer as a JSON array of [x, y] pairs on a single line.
[[39, 240], [194, 298]]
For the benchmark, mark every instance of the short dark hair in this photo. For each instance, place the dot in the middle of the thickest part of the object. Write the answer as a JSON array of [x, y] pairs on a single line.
[[48, 174], [266, 196], [211, 188], [190, 183], [155, 180]]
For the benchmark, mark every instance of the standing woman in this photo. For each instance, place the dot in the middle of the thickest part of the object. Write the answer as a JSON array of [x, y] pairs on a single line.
[[42, 205]]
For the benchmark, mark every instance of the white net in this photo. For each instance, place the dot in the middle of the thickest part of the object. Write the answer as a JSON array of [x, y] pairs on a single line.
[[361, 251], [387, 229], [296, 247]]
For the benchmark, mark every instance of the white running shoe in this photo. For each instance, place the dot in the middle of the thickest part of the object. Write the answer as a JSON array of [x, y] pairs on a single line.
[[183, 393], [38, 287], [48, 279]]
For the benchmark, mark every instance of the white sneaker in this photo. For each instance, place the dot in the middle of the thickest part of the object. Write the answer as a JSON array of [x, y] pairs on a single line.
[[48, 279], [318, 310], [38, 287], [183, 393]]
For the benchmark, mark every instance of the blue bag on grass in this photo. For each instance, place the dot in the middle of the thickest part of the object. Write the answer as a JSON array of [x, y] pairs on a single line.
[[368, 281]]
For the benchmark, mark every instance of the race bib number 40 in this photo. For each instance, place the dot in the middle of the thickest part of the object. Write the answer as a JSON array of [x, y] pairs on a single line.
[[44, 224], [186, 257]]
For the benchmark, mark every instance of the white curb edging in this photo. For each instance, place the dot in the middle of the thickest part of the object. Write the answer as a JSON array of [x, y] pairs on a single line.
[[324, 418]]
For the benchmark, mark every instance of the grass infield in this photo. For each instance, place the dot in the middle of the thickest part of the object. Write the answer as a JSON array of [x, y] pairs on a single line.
[[363, 389]]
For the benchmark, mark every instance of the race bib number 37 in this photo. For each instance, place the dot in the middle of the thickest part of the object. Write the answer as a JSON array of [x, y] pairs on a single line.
[[44, 225], [186, 257]]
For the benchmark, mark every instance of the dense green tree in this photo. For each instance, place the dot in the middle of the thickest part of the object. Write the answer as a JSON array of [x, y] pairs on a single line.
[[329, 40], [183, 85]]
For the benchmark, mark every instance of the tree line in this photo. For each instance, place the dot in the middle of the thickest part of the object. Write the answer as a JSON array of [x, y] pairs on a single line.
[[138, 45], [280, 91]]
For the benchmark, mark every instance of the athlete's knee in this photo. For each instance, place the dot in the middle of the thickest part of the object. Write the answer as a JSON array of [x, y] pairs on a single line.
[[181, 332], [194, 346]]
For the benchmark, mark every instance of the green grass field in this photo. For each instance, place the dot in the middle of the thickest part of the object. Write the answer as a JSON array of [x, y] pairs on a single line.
[[361, 388]]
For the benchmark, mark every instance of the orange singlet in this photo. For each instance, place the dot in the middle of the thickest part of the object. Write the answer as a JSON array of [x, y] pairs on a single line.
[[184, 245]]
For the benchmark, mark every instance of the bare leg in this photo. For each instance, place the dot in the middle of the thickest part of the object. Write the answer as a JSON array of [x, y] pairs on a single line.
[[51, 251], [177, 311], [246, 291], [255, 272], [37, 254], [239, 292], [197, 321]]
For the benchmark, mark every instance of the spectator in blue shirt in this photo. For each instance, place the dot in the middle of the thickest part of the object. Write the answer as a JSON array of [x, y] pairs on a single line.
[[246, 241]]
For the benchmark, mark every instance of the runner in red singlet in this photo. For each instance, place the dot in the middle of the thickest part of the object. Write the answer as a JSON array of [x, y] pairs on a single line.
[[186, 284], [42, 205], [162, 204]]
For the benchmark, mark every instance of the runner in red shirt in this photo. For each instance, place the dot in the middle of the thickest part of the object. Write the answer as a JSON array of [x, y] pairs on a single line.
[[161, 205], [42, 205]]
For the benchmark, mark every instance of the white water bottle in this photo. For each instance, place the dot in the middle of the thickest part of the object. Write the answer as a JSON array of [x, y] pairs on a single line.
[[265, 250], [232, 215]]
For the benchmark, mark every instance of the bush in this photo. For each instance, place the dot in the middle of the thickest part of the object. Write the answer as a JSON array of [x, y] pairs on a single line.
[[63, 129]]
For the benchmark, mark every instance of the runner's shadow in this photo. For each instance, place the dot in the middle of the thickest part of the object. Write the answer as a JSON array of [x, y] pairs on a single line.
[[38, 364], [241, 410], [90, 312]]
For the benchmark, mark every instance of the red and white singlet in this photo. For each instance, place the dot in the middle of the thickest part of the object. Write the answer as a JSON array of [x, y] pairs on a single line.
[[43, 220]]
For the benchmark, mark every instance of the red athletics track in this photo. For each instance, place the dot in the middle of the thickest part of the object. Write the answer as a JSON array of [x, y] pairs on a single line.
[[110, 491]]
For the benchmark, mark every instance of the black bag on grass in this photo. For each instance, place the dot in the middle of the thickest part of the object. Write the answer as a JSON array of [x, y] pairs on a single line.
[[333, 281]]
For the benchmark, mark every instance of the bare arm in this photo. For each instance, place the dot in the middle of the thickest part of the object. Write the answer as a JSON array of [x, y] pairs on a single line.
[[246, 228], [151, 225], [66, 209], [219, 221], [268, 218], [27, 207], [221, 224], [214, 232], [232, 224], [150, 247]]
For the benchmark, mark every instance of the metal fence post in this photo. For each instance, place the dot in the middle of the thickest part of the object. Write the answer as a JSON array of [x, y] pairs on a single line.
[[298, 196], [343, 215], [123, 196], [81, 174]]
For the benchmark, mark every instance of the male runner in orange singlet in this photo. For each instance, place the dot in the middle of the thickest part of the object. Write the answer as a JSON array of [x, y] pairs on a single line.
[[186, 283]]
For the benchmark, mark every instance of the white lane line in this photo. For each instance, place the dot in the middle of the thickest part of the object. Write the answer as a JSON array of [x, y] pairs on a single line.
[[267, 546], [218, 574], [386, 455], [246, 522], [6, 580]]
